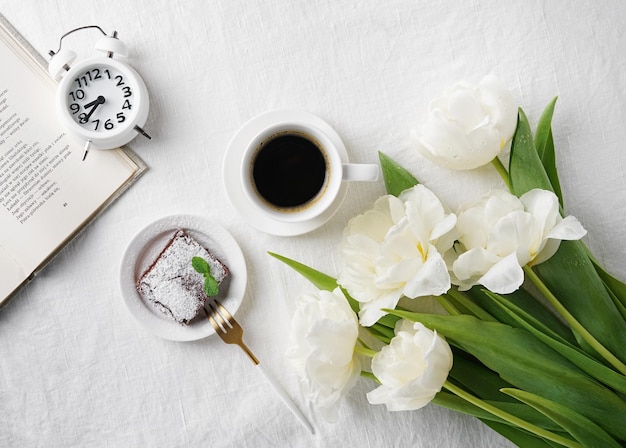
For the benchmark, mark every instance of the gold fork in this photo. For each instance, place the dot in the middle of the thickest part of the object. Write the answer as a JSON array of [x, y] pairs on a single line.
[[231, 332]]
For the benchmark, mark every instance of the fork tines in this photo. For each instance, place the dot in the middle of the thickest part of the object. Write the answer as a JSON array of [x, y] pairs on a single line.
[[227, 327], [219, 316]]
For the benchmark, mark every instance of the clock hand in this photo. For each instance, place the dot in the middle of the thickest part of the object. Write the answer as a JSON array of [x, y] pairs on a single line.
[[98, 100], [94, 105]]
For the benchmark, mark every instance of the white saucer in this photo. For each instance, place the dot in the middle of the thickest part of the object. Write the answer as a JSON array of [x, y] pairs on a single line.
[[232, 163], [146, 246]]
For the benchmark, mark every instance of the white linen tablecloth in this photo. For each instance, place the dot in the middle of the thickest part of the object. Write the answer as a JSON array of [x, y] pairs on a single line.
[[76, 370]]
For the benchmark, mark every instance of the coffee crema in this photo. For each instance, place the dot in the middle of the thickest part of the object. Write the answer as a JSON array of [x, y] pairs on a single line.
[[289, 170]]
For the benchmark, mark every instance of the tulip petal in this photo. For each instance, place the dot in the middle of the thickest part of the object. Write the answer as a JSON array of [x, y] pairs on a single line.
[[431, 279], [468, 125], [483, 145], [372, 311], [550, 247], [504, 277], [568, 229], [443, 227], [473, 263], [499, 100], [500, 227], [543, 205], [515, 233], [324, 332], [411, 369], [394, 248], [498, 204], [465, 108]]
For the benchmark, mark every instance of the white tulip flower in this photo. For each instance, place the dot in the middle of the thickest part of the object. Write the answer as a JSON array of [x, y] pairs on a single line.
[[501, 233], [324, 333], [411, 369], [394, 250], [468, 125]]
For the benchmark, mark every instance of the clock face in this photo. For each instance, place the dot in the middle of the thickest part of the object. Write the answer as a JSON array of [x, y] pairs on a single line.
[[101, 98], [103, 101]]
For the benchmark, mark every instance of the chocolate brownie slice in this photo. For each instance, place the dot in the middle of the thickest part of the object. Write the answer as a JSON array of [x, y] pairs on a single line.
[[172, 285]]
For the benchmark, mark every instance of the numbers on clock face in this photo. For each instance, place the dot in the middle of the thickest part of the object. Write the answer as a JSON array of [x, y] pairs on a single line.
[[101, 98]]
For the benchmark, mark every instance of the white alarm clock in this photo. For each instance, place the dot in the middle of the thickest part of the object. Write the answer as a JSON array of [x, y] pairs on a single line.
[[101, 101]]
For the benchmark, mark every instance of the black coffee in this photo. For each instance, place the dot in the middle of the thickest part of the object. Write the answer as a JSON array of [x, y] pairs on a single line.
[[289, 170]]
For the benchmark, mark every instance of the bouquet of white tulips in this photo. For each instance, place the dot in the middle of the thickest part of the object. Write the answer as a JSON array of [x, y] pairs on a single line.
[[544, 368]]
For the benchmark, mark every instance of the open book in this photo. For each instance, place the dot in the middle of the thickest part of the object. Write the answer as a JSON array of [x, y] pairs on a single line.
[[47, 193]]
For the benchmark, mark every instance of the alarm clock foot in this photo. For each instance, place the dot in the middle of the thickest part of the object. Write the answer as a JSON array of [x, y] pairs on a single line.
[[142, 132], [87, 148]]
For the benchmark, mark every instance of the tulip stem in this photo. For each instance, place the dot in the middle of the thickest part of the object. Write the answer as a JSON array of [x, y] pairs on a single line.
[[573, 323], [516, 421], [449, 307], [360, 350], [504, 174], [472, 307], [369, 375]]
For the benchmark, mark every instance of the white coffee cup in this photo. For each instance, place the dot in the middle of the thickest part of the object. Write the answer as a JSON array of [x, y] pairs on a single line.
[[292, 172]]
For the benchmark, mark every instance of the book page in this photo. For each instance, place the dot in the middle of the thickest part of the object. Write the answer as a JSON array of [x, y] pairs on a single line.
[[46, 191]]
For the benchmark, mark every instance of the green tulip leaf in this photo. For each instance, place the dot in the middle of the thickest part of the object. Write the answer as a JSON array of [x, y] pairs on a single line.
[[520, 437], [389, 320], [616, 300], [487, 385], [574, 354], [455, 403], [523, 302], [384, 330], [374, 332], [616, 287], [473, 375], [520, 318], [464, 304], [353, 303], [525, 412], [509, 418], [544, 143], [525, 168], [580, 427], [319, 279], [572, 278], [527, 363], [517, 436], [397, 179], [568, 274]]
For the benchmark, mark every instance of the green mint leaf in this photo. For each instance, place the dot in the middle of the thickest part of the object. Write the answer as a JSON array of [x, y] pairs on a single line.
[[211, 288], [200, 265]]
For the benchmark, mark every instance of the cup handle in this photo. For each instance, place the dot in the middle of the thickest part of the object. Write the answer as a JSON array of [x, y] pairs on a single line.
[[360, 172]]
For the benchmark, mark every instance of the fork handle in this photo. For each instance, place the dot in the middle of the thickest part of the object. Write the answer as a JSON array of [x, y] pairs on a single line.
[[286, 399]]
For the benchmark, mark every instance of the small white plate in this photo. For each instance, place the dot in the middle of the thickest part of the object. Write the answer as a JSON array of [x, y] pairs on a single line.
[[146, 246], [232, 164]]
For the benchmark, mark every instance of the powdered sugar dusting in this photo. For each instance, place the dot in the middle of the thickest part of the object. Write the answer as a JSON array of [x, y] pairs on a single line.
[[172, 285]]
